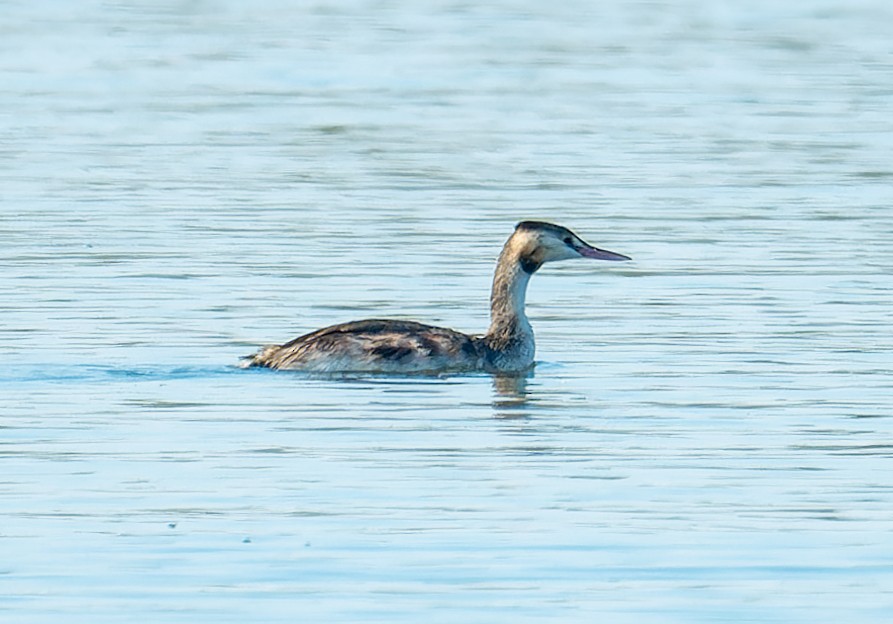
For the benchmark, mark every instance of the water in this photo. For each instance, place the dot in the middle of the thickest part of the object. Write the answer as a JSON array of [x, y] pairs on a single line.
[[707, 434]]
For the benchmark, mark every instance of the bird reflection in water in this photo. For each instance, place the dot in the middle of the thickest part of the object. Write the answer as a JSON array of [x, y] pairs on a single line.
[[510, 395]]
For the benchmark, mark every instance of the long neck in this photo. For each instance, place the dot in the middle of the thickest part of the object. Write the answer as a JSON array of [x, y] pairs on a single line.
[[508, 295], [509, 343]]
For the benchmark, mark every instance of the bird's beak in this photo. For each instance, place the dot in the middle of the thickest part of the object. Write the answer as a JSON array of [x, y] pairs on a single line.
[[588, 251]]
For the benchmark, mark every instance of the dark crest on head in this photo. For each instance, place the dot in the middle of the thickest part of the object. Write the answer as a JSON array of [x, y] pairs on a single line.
[[542, 226]]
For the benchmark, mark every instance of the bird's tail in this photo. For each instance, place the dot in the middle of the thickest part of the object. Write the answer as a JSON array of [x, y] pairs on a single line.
[[261, 358]]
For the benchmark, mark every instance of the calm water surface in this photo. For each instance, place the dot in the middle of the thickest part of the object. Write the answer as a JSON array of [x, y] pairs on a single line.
[[706, 438]]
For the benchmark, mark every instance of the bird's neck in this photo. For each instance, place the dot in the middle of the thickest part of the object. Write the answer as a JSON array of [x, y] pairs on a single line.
[[510, 337], [509, 293]]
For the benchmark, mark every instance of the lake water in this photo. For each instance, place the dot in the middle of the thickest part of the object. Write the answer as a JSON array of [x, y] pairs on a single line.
[[706, 437]]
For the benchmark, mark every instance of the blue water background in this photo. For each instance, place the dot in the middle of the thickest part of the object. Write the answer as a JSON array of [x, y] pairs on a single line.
[[707, 435]]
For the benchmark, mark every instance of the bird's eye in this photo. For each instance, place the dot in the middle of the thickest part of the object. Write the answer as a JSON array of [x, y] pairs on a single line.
[[568, 240]]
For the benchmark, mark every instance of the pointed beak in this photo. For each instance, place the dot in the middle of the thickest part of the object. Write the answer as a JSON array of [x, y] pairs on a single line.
[[600, 254]]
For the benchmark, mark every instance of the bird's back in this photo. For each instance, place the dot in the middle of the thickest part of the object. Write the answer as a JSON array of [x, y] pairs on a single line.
[[375, 345]]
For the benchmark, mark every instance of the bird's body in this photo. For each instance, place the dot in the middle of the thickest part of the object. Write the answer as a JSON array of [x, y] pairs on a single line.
[[376, 345], [394, 346]]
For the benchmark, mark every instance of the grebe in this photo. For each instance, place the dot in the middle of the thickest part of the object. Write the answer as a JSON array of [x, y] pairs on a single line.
[[391, 346]]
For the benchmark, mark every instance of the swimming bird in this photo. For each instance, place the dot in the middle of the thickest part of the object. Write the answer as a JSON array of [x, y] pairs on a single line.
[[394, 346]]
